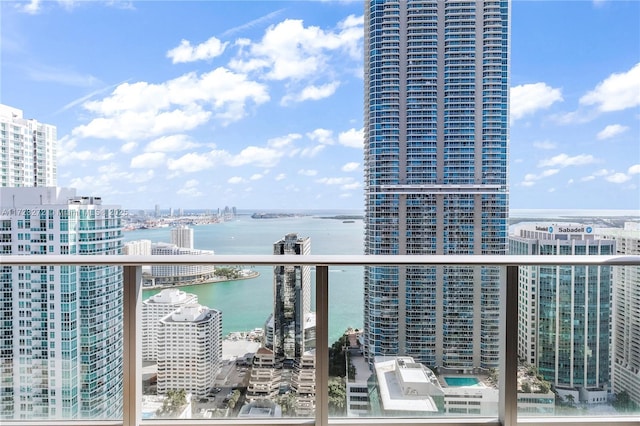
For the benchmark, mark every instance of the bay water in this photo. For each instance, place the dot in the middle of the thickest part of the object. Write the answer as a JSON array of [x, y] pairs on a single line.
[[246, 304]]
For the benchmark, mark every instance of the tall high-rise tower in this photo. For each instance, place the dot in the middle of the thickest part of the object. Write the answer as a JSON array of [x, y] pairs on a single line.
[[61, 349], [436, 132], [625, 321], [28, 150], [292, 299]]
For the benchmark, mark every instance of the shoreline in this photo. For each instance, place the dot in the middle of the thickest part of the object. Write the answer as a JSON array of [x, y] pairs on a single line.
[[250, 275]]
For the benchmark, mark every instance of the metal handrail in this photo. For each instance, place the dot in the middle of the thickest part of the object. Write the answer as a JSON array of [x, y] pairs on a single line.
[[313, 260]]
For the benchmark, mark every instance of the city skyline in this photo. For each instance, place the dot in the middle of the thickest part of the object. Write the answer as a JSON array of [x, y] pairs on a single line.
[[160, 116]]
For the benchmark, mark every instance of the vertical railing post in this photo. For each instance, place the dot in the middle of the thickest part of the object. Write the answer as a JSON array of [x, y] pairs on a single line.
[[322, 342], [508, 375], [132, 362]]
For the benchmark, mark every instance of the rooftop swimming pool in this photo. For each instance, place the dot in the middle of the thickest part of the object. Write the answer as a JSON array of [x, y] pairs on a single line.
[[461, 381]]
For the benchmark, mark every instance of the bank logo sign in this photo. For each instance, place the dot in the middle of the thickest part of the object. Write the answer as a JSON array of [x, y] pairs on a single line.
[[566, 229]]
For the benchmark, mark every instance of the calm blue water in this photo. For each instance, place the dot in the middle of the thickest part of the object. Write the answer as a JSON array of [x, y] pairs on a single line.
[[245, 304]]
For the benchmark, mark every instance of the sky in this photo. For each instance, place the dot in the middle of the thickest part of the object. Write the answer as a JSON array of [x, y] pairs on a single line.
[[259, 104]]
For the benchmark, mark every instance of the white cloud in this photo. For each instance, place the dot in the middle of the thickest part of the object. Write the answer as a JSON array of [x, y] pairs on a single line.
[[304, 172], [311, 92], [544, 145], [617, 178], [611, 130], [259, 156], [185, 52], [587, 178], [352, 138], [528, 98], [335, 180], [324, 136], [289, 50], [69, 154], [170, 143], [531, 178], [617, 92], [312, 151], [350, 167], [195, 162], [148, 160], [128, 147], [283, 141], [634, 170], [602, 172], [564, 160], [190, 189], [351, 186], [141, 110], [236, 180], [280, 177], [256, 176]]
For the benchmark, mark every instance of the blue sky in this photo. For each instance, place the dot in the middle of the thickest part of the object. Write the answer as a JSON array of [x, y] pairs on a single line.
[[258, 104]]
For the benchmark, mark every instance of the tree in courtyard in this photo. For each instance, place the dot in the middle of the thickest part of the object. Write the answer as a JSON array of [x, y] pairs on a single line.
[[526, 387], [623, 402], [337, 353], [288, 404], [173, 401], [337, 396]]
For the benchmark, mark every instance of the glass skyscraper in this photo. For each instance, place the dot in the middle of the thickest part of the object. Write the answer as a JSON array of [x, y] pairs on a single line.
[[436, 133]]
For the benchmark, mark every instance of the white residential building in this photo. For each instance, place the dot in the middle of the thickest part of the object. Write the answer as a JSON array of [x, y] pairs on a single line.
[[189, 349], [137, 248], [182, 236], [156, 308], [28, 155], [625, 333], [61, 346]]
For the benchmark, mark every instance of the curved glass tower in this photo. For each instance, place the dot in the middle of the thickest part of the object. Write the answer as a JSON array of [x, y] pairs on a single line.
[[436, 133]]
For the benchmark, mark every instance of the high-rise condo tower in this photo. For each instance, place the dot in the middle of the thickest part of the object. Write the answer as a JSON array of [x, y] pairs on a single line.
[[436, 135]]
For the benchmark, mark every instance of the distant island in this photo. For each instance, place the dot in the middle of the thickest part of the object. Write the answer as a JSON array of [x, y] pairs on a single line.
[[275, 215], [343, 217]]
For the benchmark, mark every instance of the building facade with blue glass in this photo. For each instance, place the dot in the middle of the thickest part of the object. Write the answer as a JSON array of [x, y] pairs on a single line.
[[564, 313], [436, 136]]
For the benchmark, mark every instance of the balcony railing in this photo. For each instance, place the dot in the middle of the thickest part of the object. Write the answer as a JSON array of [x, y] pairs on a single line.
[[132, 305]]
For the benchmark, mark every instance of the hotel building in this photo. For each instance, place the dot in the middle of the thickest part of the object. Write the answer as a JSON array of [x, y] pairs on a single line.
[[162, 275], [156, 308], [61, 347], [564, 311], [625, 316], [435, 154], [189, 349]]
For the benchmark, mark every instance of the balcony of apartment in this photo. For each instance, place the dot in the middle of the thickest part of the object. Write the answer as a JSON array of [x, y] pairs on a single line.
[[501, 400]]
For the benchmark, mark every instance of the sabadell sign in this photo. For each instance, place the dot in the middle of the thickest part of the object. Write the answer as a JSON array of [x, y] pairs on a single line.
[[565, 229]]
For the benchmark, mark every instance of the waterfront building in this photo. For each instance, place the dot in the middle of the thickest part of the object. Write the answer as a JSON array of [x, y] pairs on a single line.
[[182, 236], [62, 345], [292, 299], [625, 330], [168, 275], [435, 155], [189, 349], [28, 156], [156, 308], [137, 248], [564, 311]]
